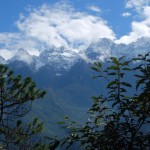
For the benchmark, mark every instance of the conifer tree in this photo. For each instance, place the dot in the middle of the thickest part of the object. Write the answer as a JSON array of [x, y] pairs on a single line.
[[16, 97]]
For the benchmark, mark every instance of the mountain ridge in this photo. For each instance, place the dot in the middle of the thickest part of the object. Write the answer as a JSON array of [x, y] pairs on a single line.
[[63, 59]]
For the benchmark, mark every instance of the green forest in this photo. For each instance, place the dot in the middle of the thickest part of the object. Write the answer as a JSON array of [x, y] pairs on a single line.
[[117, 119]]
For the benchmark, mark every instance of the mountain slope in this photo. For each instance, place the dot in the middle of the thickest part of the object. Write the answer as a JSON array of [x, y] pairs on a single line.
[[67, 77]]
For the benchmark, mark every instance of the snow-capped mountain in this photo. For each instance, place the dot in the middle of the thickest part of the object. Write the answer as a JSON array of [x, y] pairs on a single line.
[[62, 58], [57, 58], [100, 49], [22, 55], [66, 76], [105, 48]]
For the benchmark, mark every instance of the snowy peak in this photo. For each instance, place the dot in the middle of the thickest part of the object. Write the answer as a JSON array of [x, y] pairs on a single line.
[[142, 41], [22, 55], [141, 46], [63, 58], [101, 45], [100, 49], [106, 48], [57, 58]]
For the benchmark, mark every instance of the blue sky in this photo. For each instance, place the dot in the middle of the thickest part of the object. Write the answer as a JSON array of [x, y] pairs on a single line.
[[10, 11], [39, 24]]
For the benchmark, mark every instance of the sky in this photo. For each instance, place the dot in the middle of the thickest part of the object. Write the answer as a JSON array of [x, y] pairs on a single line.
[[36, 25]]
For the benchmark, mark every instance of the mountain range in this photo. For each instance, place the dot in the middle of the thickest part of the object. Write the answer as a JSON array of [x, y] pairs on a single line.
[[66, 76], [64, 58]]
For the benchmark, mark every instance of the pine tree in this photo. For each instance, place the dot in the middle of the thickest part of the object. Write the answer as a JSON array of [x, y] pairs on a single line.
[[16, 97]]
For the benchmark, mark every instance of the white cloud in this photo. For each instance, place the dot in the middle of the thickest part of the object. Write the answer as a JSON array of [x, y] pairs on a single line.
[[62, 25], [94, 8], [137, 4], [138, 28], [126, 14], [6, 54], [22, 55], [146, 12], [55, 25], [14, 41]]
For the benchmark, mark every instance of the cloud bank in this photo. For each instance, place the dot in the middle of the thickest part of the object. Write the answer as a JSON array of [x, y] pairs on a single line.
[[138, 28], [54, 25], [61, 25]]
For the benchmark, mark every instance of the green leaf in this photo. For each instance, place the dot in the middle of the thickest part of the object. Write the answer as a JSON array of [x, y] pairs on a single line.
[[114, 60], [121, 58], [121, 75], [60, 122], [125, 63], [55, 145], [112, 83], [139, 82], [112, 73], [138, 76], [126, 84], [128, 69], [97, 67], [114, 104], [98, 121], [65, 118], [113, 68]]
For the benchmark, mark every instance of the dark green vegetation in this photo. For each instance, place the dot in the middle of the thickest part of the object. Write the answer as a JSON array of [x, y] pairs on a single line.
[[121, 118], [67, 95], [16, 97]]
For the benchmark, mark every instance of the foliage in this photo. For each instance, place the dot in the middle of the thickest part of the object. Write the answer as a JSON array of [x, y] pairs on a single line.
[[16, 97], [120, 119]]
